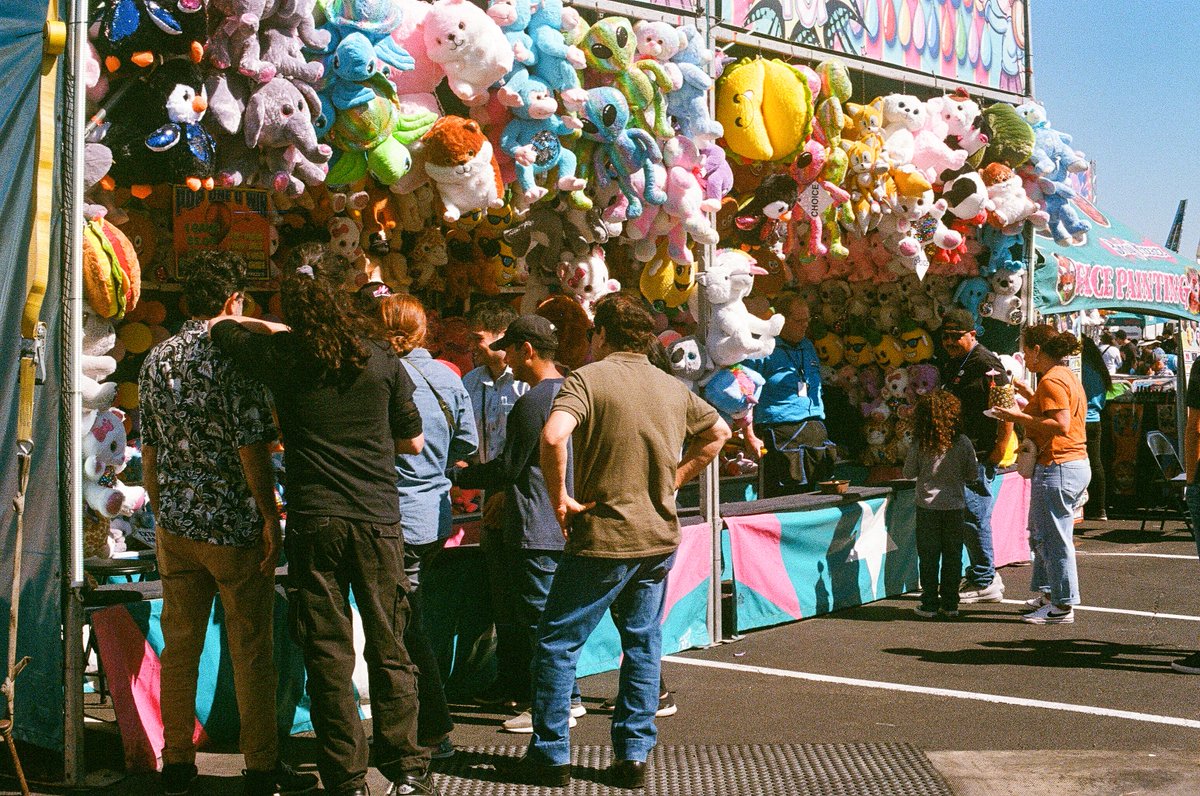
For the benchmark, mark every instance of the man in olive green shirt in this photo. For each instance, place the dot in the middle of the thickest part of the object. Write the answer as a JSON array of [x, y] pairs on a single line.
[[630, 422]]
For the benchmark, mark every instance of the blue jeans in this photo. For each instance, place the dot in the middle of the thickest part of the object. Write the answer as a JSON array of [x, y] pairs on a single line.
[[939, 556], [977, 527], [532, 573], [1192, 495], [634, 590], [1054, 493]]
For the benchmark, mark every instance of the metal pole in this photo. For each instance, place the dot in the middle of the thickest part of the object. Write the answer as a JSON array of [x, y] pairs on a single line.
[[1028, 50], [710, 485], [71, 409]]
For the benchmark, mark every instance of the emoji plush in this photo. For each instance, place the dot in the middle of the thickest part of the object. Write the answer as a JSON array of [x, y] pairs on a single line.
[[610, 47], [915, 342], [462, 39], [667, 284], [459, 160], [765, 107]]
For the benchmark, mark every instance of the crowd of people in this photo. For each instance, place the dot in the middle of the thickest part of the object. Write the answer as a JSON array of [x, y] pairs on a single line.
[[578, 522]]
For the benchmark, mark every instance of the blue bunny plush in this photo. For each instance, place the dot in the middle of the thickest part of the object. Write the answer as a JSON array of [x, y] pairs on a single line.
[[688, 104], [531, 139], [621, 151]]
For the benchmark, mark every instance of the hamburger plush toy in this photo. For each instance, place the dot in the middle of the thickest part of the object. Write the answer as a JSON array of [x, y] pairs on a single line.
[[112, 278]]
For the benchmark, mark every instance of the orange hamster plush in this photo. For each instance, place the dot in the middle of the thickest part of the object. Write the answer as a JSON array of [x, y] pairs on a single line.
[[460, 161]]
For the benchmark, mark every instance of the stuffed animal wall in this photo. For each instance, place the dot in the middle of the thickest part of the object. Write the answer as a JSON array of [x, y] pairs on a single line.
[[459, 160]]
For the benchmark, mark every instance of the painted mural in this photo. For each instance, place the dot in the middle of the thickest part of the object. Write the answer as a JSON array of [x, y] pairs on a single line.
[[981, 42]]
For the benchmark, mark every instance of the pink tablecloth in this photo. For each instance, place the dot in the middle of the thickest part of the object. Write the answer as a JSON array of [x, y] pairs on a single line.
[[1010, 516]]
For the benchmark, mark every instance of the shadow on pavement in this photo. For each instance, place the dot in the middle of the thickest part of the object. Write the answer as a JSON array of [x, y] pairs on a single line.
[[1053, 653]]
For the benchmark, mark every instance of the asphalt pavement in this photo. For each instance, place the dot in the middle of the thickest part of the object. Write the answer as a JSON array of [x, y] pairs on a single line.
[[998, 705]]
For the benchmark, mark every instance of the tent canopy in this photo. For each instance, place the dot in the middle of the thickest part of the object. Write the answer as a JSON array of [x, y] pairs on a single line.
[[1117, 269]]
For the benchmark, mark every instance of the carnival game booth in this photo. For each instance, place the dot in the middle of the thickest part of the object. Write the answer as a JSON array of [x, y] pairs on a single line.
[[1121, 270], [704, 157]]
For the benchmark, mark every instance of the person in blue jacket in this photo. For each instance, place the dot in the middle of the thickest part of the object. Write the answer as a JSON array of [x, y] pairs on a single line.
[[790, 415]]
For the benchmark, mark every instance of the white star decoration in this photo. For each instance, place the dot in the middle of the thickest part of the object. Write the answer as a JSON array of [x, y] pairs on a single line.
[[873, 542]]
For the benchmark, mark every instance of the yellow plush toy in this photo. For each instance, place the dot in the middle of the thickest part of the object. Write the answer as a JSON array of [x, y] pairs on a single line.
[[666, 282], [766, 108]]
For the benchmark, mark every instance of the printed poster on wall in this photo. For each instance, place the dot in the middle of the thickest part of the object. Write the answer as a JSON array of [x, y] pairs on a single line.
[[979, 42], [230, 219]]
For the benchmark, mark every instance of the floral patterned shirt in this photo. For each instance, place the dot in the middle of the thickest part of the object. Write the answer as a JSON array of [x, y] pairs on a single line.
[[197, 410]]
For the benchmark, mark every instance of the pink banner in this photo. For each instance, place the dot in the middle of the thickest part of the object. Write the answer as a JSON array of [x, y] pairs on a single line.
[[1010, 520], [755, 543], [693, 565]]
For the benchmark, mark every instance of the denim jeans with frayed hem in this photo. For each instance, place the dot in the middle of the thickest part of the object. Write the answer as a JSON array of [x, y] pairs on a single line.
[[634, 590], [977, 527], [1054, 494]]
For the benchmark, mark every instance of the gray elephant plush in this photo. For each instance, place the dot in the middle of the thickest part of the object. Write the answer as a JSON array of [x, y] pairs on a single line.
[[279, 123]]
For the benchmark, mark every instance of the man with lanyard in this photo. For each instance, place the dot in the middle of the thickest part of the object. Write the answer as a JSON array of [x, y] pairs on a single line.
[[494, 391], [1191, 457], [969, 371], [790, 413]]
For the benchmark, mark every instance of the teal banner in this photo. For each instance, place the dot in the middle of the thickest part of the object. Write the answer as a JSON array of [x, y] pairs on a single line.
[[1116, 269]]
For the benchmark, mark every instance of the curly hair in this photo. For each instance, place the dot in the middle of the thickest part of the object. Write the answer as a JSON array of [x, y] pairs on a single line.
[[626, 324], [211, 278], [1056, 345], [491, 316], [404, 322], [331, 335], [937, 421]]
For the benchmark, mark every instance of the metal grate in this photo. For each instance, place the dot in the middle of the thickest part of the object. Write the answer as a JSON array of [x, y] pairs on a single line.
[[748, 770]]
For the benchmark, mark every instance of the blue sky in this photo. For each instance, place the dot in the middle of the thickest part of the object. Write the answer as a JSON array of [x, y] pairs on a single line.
[[1120, 78]]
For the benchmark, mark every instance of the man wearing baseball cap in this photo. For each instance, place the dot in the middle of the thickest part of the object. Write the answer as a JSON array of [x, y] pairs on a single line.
[[532, 542], [968, 371]]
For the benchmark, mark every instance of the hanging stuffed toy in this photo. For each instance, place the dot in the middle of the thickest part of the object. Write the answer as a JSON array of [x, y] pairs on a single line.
[[513, 17], [625, 151], [688, 103], [237, 39], [611, 50], [817, 200], [532, 139], [765, 107], [869, 185], [136, 32], [686, 207], [1004, 301], [586, 280], [764, 217], [556, 59], [462, 39], [459, 160], [156, 135], [278, 123], [734, 334], [666, 284], [658, 41]]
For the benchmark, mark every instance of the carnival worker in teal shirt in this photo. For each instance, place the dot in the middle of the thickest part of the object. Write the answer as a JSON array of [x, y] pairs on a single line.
[[790, 413]]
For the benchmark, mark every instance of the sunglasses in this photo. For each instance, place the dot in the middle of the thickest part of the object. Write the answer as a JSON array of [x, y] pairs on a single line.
[[952, 335]]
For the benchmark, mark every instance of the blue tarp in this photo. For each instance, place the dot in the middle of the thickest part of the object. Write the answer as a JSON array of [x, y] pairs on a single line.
[[39, 698]]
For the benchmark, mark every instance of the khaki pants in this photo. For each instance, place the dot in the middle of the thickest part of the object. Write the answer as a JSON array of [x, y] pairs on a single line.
[[192, 573]]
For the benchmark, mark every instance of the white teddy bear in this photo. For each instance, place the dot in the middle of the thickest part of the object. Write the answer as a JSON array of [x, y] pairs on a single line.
[[734, 334], [1004, 302]]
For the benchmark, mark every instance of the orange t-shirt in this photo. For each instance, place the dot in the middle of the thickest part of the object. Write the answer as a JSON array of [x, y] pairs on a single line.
[[1059, 389]]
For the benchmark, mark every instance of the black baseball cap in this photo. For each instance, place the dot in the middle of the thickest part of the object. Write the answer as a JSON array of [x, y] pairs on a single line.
[[959, 320], [532, 329]]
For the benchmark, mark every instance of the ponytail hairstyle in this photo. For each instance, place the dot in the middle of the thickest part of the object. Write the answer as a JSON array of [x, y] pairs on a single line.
[[331, 336], [404, 322], [626, 324], [937, 421], [1055, 344]]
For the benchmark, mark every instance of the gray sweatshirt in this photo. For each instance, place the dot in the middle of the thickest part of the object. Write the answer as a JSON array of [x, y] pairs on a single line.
[[942, 479]]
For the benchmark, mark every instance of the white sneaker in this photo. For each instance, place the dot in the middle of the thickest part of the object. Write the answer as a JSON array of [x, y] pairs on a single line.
[[523, 722], [1043, 598], [992, 593], [1049, 614]]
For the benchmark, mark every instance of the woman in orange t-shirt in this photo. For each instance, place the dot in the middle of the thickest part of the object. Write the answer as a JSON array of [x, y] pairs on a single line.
[[1055, 419]]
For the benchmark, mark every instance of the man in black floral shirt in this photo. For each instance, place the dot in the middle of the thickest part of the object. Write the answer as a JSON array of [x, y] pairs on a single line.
[[205, 435]]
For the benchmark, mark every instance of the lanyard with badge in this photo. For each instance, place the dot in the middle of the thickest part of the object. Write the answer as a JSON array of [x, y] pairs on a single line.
[[801, 371], [962, 368]]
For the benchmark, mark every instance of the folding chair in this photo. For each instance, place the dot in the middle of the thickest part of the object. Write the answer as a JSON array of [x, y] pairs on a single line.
[[1173, 475]]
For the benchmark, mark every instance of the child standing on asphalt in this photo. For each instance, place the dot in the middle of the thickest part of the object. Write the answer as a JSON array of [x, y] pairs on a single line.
[[942, 460]]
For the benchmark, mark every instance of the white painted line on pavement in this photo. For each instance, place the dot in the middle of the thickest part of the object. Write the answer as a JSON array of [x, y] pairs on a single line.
[[1126, 611], [1137, 555], [943, 692]]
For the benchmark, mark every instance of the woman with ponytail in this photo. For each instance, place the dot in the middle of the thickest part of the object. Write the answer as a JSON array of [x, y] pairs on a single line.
[[345, 406], [1056, 420]]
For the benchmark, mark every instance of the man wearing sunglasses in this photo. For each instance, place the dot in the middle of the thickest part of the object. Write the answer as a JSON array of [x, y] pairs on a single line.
[[968, 371]]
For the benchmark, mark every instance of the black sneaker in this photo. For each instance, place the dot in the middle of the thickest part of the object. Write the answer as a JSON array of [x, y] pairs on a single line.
[[282, 781], [177, 778], [494, 694], [413, 786], [666, 705], [1189, 665]]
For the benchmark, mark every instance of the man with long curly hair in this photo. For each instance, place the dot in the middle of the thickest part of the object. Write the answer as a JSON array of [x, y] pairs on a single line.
[[345, 405]]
